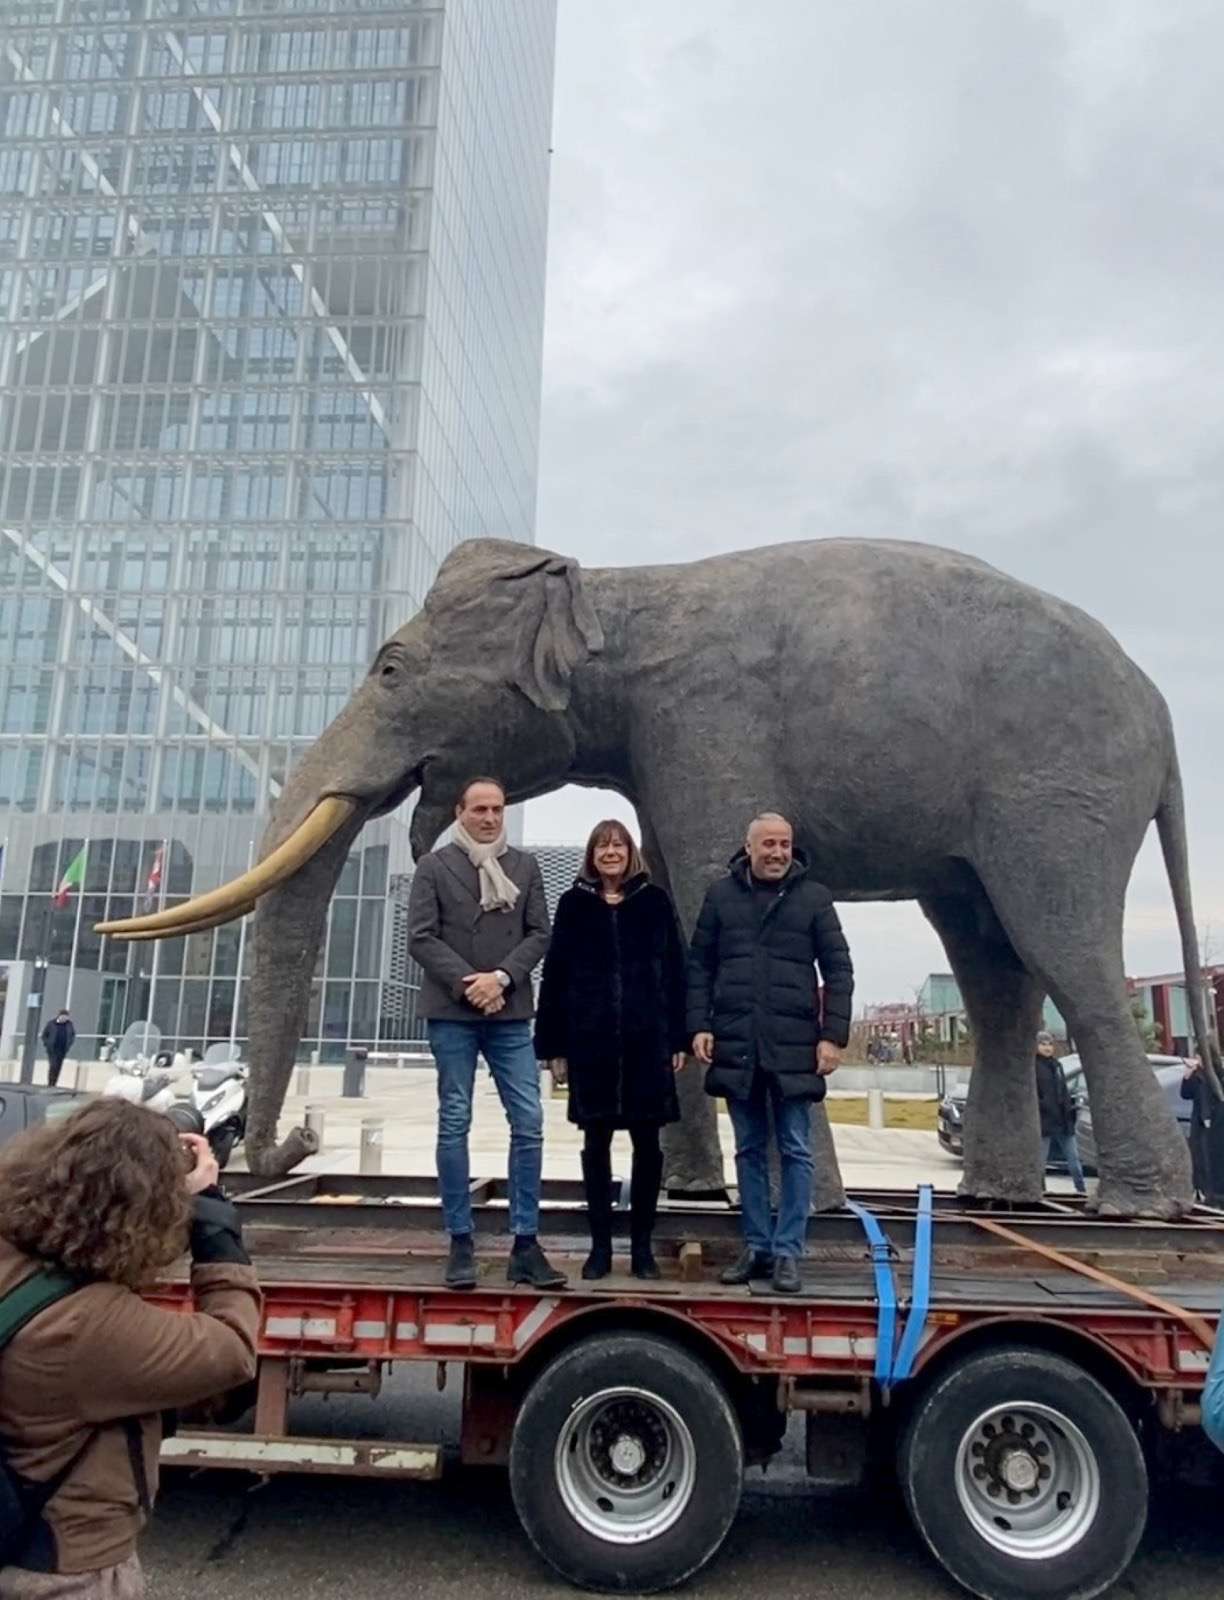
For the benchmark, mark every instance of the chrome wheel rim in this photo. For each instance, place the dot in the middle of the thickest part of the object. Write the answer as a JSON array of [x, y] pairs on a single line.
[[1028, 1480], [626, 1465]]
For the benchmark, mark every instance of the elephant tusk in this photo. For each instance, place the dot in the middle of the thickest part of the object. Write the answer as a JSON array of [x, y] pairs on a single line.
[[236, 898], [200, 926]]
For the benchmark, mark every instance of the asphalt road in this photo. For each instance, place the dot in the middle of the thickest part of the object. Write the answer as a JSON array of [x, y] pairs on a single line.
[[313, 1538]]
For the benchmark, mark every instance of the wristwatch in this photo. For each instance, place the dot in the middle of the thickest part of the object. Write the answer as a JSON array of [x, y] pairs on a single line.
[[503, 978]]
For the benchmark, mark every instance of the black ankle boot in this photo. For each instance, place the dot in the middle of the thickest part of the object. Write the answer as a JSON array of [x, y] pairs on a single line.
[[461, 1263], [641, 1260], [529, 1265], [599, 1263]]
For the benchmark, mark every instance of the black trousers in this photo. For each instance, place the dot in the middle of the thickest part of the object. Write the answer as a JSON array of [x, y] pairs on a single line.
[[645, 1177], [55, 1065]]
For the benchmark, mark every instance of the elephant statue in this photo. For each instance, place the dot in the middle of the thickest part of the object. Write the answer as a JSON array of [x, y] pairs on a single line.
[[934, 729]]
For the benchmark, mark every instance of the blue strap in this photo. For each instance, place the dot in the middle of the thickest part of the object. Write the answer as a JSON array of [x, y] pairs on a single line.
[[1213, 1393], [886, 1292], [920, 1294]]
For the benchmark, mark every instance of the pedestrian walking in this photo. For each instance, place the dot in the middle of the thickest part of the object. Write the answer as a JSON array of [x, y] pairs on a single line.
[[57, 1038], [611, 1025], [478, 927], [1196, 1089], [766, 1035], [1057, 1112]]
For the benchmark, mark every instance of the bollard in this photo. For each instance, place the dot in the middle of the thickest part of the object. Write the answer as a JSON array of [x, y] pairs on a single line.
[[370, 1164], [875, 1108], [354, 1074], [314, 1058], [303, 1082], [315, 1122]]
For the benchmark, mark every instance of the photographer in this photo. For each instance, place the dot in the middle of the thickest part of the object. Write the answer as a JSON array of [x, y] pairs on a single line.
[[111, 1196]]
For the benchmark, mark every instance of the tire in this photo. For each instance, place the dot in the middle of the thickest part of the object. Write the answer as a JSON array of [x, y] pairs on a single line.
[[610, 1407], [223, 1141], [1057, 1514]]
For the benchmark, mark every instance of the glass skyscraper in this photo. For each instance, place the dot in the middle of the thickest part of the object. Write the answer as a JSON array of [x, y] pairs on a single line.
[[271, 313]]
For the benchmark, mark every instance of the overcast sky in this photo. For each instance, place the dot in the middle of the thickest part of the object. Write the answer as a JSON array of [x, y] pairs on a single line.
[[937, 271]]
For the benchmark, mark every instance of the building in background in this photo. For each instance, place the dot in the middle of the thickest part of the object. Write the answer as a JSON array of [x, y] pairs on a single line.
[[1164, 1004], [935, 1020], [271, 318], [941, 1008], [560, 864]]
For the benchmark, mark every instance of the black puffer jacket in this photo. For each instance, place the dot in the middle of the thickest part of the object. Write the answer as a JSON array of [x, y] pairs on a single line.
[[1055, 1107], [611, 1003], [752, 982]]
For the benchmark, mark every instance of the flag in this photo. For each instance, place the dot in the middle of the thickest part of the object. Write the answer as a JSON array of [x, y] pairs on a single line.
[[155, 877], [74, 877]]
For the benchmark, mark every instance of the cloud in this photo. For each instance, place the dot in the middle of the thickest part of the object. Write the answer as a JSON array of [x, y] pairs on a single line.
[[920, 270]]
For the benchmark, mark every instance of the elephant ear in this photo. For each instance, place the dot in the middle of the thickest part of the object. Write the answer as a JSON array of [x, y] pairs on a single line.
[[558, 629]]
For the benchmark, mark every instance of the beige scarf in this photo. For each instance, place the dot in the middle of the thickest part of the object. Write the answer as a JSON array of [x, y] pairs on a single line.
[[497, 891]]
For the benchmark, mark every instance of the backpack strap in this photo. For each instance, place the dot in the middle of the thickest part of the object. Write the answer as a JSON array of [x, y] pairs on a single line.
[[32, 1295]]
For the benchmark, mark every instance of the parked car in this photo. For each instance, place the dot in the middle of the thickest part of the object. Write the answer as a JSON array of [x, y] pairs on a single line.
[[950, 1123], [25, 1105], [1170, 1070]]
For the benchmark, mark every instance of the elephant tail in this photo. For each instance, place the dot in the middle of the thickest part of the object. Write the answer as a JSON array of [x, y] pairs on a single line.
[[1171, 826]]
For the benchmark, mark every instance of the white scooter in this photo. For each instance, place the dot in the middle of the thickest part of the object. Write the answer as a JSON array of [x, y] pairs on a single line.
[[140, 1074], [217, 1105]]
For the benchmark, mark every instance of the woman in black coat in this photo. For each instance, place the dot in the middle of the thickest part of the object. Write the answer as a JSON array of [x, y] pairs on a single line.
[[610, 1022]]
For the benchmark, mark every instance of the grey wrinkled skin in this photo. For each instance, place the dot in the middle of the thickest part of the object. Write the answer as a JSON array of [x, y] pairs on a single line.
[[934, 729]]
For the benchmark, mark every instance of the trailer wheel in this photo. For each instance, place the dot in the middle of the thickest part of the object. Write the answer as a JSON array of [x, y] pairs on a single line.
[[1025, 1477], [626, 1464]]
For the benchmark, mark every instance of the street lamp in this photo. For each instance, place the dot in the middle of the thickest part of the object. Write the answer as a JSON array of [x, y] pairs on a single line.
[[34, 1000]]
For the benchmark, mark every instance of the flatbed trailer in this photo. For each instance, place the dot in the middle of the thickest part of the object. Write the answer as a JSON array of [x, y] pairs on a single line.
[[1025, 1373]]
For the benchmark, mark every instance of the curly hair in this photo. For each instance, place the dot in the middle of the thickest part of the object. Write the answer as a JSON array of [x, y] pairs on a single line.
[[100, 1193]]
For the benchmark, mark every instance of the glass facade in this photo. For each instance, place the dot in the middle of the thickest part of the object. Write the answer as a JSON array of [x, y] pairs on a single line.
[[271, 316]]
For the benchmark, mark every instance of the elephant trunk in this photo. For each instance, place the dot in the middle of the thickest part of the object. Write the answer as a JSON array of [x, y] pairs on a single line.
[[289, 924]]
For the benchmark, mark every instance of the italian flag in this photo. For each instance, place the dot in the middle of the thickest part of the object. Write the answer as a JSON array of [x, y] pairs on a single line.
[[74, 877]]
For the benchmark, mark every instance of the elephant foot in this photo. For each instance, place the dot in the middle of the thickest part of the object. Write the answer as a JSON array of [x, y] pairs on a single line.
[[695, 1191], [1129, 1202], [1000, 1191], [267, 1160]]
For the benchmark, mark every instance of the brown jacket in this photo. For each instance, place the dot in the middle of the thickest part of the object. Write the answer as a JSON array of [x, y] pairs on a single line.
[[96, 1358]]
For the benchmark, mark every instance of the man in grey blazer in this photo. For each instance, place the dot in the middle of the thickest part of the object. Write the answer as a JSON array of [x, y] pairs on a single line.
[[478, 926]]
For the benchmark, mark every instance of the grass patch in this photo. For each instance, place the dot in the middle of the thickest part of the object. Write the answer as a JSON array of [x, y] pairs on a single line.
[[917, 1115]]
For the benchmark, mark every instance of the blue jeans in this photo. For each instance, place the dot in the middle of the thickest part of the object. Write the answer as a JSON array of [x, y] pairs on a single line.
[[1064, 1145], [507, 1047], [787, 1234]]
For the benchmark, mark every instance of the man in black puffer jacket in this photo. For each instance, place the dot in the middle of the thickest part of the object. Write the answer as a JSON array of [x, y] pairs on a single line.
[[758, 1023]]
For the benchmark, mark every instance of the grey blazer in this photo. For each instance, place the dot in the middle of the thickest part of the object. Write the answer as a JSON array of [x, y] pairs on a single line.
[[450, 935]]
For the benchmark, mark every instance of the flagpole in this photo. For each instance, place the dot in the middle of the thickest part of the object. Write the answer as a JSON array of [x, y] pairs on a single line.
[[242, 928], [161, 906], [76, 928]]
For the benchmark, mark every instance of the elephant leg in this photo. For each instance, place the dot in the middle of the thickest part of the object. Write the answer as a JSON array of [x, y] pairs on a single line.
[[1002, 1135], [1059, 892], [692, 1154]]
